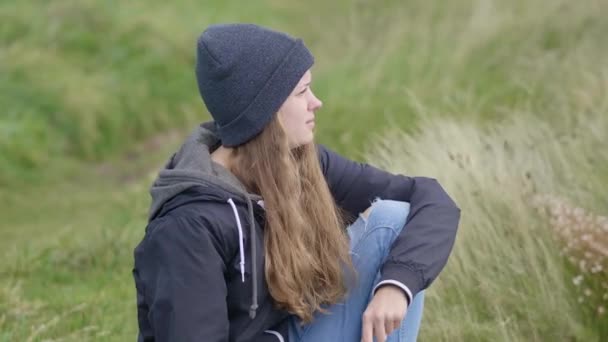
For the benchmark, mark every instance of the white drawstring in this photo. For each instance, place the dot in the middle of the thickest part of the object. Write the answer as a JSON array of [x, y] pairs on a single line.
[[241, 248], [275, 333]]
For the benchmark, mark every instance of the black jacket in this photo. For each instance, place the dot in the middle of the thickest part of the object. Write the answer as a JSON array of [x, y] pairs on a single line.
[[193, 269]]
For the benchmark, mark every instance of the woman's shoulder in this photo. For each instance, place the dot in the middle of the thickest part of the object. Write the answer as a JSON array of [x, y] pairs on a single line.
[[197, 219]]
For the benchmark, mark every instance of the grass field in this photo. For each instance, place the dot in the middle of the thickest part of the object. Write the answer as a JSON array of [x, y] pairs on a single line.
[[501, 101]]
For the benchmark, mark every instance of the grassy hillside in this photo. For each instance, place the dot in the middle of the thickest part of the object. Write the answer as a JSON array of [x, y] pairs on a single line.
[[87, 78], [94, 95]]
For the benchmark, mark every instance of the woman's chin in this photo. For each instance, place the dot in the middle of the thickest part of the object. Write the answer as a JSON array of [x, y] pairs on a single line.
[[303, 142]]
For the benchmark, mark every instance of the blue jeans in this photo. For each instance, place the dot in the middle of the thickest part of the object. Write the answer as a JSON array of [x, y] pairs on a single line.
[[370, 242]]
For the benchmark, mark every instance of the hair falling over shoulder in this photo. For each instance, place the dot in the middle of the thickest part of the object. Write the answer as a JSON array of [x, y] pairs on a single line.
[[306, 245]]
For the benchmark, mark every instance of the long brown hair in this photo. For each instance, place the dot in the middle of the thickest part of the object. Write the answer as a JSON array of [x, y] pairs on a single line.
[[307, 259]]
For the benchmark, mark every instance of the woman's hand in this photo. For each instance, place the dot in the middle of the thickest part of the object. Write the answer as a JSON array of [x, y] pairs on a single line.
[[384, 313]]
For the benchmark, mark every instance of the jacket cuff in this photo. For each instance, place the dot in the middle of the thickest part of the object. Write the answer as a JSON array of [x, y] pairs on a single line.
[[408, 275], [400, 285]]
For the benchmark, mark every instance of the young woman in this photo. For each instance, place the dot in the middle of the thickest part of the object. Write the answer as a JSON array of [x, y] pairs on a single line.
[[256, 233]]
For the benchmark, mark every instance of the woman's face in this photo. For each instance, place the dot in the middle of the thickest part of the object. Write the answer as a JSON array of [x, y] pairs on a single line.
[[297, 114]]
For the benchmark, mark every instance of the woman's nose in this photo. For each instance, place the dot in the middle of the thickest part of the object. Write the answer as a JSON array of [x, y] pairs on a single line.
[[315, 103]]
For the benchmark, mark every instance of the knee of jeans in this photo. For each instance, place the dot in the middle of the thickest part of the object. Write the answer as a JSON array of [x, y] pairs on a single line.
[[388, 213]]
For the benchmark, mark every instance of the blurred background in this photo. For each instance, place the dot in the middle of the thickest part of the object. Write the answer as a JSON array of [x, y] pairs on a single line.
[[504, 102]]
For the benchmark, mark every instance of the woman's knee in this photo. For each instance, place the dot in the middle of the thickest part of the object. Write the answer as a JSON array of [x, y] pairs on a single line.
[[388, 213]]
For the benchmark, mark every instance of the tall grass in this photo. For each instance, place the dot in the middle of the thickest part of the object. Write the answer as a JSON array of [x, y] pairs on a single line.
[[506, 279]]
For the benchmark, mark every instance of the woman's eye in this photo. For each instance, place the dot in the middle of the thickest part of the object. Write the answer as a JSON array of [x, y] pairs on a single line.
[[303, 91]]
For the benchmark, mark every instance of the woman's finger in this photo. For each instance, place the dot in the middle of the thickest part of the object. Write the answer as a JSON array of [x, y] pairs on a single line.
[[379, 329], [367, 332], [390, 326]]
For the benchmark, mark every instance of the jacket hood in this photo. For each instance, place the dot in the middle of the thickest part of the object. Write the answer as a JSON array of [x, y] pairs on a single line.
[[192, 166]]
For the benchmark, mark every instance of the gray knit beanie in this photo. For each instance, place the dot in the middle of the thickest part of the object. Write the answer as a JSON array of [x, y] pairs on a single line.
[[245, 72]]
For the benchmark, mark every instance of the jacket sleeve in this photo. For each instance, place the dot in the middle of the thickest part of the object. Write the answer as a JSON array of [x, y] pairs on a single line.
[[182, 278], [422, 249]]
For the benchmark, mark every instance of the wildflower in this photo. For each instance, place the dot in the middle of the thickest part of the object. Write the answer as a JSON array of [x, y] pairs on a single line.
[[583, 242], [582, 264]]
